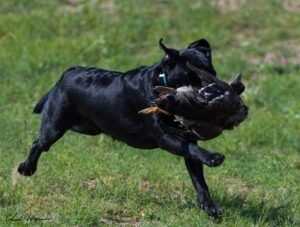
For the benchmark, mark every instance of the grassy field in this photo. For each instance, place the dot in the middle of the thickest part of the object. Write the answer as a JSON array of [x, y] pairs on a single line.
[[94, 180]]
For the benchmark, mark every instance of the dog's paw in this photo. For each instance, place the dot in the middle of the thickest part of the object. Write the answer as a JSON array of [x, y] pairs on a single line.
[[212, 209], [26, 170], [214, 159]]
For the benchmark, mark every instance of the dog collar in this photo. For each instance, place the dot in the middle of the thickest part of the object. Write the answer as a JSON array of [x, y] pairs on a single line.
[[164, 78]]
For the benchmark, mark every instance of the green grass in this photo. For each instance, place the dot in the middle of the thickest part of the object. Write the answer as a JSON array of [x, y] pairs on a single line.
[[95, 180]]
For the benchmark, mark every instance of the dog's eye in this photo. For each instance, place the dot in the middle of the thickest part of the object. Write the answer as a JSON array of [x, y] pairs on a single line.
[[169, 61]]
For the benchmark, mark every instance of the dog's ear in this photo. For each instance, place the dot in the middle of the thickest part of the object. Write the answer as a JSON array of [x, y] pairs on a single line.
[[170, 53], [201, 45]]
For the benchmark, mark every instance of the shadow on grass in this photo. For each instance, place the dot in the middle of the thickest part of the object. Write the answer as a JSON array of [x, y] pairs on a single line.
[[261, 212]]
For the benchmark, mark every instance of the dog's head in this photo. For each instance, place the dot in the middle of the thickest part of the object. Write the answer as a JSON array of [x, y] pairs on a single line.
[[174, 63]]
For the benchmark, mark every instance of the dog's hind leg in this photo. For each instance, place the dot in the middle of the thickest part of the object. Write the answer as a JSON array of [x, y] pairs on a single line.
[[55, 121], [28, 167], [195, 170], [48, 136]]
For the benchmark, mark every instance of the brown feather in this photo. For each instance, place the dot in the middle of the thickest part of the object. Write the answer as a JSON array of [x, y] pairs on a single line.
[[153, 109]]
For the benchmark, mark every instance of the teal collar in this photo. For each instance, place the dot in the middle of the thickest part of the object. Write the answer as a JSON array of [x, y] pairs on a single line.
[[164, 78]]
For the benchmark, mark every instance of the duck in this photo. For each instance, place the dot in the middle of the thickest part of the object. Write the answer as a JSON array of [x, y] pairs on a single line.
[[203, 111]]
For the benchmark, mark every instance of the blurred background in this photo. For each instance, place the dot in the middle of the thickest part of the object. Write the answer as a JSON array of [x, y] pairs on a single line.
[[94, 180]]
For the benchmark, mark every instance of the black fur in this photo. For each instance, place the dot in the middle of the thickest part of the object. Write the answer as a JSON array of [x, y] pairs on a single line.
[[40, 105], [94, 101]]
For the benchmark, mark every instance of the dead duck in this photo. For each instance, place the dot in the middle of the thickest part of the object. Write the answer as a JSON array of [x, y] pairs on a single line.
[[206, 110]]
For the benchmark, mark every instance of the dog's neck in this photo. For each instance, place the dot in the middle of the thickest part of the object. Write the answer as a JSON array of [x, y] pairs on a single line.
[[159, 77]]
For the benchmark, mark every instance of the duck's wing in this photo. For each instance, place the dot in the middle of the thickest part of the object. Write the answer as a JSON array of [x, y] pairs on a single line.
[[180, 103], [208, 78], [164, 90]]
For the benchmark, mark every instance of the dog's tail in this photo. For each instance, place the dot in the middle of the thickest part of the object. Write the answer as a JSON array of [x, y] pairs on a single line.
[[40, 105]]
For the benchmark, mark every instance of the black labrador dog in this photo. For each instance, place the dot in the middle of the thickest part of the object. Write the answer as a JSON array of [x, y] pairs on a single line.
[[93, 101]]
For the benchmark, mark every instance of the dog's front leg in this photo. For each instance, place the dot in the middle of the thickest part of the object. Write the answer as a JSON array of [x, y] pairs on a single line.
[[195, 170], [190, 150]]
